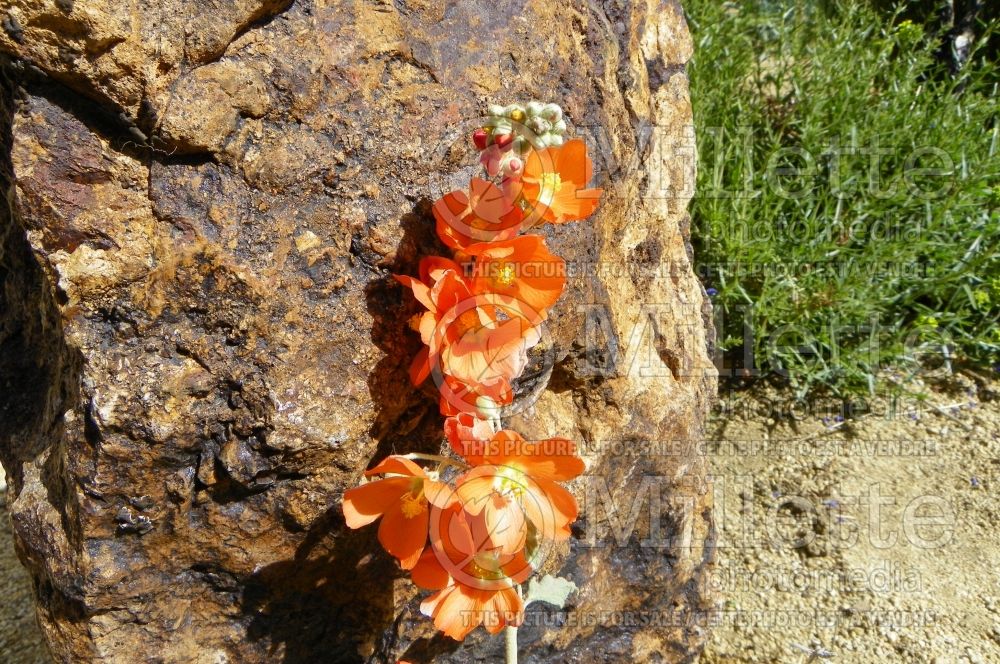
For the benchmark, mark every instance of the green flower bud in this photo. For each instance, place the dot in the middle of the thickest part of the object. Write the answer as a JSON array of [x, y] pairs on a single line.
[[512, 109], [539, 125], [554, 140], [535, 108], [552, 112], [501, 125], [496, 110], [522, 145], [559, 127]]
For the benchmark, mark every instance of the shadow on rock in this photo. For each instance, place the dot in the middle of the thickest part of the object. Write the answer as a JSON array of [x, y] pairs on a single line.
[[334, 601], [330, 603], [407, 418]]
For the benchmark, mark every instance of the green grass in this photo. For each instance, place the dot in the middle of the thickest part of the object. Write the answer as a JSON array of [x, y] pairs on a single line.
[[848, 192]]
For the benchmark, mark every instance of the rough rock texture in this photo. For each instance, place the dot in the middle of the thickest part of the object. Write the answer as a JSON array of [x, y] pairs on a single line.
[[20, 639], [200, 346]]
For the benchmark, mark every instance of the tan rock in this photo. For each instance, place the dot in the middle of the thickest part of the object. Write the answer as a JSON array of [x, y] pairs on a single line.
[[206, 105], [201, 346]]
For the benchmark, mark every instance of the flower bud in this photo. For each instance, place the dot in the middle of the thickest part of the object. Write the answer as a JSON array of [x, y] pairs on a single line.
[[559, 127], [501, 125], [535, 108], [517, 115], [552, 112], [554, 140], [538, 125], [514, 165], [496, 110], [510, 110], [521, 145], [490, 411], [503, 140], [480, 138]]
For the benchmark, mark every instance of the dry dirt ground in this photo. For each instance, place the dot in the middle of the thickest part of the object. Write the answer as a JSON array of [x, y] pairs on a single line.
[[871, 540], [864, 540]]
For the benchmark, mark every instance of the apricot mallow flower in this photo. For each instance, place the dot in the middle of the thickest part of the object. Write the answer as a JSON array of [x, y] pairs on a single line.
[[401, 500], [517, 484], [476, 584], [468, 435], [483, 214], [554, 184], [520, 275], [471, 350]]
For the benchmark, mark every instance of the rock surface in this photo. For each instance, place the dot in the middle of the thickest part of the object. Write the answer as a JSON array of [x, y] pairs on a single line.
[[201, 348], [20, 639]]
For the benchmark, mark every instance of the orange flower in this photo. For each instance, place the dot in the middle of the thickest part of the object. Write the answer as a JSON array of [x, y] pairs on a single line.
[[486, 355], [470, 350], [554, 184], [485, 214], [440, 289], [475, 583], [521, 276], [401, 499], [459, 398], [519, 480], [468, 435]]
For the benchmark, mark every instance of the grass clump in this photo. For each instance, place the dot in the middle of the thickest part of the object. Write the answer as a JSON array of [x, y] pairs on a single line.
[[847, 210]]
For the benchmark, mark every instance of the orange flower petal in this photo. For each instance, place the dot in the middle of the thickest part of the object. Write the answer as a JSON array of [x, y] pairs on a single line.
[[404, 536], [552, 459], [504, 608], [561, 506], [440, 494], [430, 605], [460, 612], [573, 205], [365, 503], [420, 368], [434, 268], [420, 289], [523, 270], [397, 465], [467, 435], [572, 162], [487, 213], [504, 526], [475, 488], [428, 572]]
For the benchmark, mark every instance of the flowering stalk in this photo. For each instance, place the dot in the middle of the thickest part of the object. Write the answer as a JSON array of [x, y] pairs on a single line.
[[474, 540], [510, 644]]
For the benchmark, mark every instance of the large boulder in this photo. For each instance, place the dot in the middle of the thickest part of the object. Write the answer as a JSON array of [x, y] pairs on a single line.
[[201, 347]]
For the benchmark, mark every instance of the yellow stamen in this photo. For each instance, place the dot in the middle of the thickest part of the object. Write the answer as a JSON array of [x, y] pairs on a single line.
[[413, 506], [550, 184], [511, 482], [486, 566], [505, 274]]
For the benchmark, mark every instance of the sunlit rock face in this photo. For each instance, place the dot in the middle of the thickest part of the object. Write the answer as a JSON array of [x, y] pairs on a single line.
[[201, 346]]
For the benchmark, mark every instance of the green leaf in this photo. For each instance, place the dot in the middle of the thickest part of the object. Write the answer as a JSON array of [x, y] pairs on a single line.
[[552, 590]]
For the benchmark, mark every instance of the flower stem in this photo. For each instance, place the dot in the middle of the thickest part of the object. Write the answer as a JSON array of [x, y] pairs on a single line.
[[510, 637], [443, 460]]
